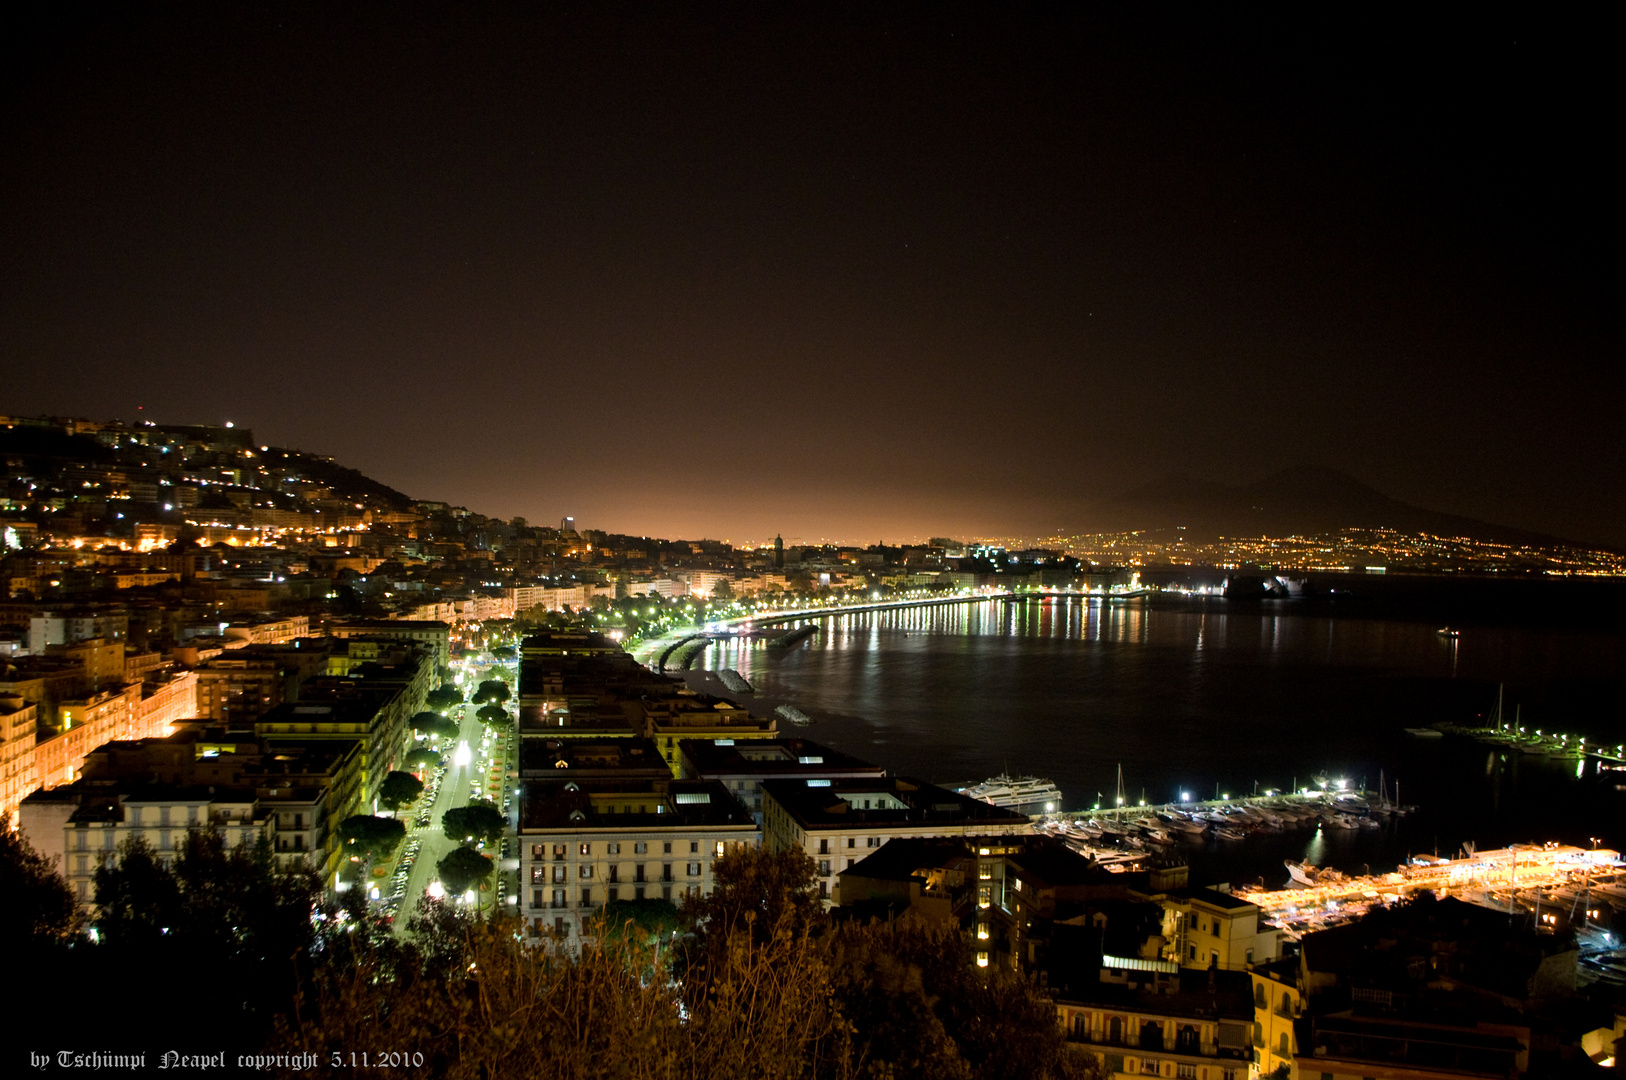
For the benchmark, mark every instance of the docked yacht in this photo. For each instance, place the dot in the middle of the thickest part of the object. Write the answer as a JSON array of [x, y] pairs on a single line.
[[1305, 874], [1185, 826], [1024, 794]]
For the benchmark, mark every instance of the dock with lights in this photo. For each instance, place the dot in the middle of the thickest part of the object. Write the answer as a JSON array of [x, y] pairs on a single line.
[[1476, 878]]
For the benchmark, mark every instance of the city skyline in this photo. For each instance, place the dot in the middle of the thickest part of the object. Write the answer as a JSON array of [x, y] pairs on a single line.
[[912, 274]]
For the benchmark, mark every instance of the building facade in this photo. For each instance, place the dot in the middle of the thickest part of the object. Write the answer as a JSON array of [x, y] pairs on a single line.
[[587, 841], [839, 822]]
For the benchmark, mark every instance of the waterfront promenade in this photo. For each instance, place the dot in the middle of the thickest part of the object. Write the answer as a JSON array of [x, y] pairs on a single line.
[[651, 650]]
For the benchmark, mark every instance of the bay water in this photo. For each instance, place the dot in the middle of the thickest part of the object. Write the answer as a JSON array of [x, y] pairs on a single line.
[[1203, 697]]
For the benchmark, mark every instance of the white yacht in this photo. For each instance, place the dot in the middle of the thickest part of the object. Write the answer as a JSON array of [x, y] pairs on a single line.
[[1024, 794], [1305, 874]]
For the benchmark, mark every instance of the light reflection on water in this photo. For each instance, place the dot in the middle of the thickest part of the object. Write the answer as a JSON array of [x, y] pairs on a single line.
[[1194, 696]]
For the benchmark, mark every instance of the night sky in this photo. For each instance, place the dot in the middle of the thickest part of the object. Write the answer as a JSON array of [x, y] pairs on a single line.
[[690, 270]]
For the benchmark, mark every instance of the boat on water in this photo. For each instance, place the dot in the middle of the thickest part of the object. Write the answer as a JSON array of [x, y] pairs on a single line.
[[1424, 733], [1307, 875], [1024, 794], [1186, 826], [1448, 632]]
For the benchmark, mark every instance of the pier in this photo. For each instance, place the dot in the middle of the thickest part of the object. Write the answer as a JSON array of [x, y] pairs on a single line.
[[1127, 836], [1301, 801], [1501, 880], [1555, 744]]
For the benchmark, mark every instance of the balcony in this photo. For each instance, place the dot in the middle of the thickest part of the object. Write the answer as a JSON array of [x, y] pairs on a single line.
[[1179, 1050]]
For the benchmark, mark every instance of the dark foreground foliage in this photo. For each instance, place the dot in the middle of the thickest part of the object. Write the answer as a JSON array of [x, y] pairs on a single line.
[[751, 982]]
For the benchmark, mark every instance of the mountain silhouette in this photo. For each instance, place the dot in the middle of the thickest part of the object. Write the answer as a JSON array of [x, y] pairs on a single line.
[[1297, 501]]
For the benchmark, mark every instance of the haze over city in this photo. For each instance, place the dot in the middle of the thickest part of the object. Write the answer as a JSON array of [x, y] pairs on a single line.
[[932, 271], [928, 541]]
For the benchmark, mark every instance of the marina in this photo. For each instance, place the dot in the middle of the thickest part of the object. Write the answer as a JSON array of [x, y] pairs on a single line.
[[1133, 837], [1562, 887], [1499, 731]]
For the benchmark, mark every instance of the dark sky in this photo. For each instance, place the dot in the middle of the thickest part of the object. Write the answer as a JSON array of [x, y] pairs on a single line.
[[729, 271]]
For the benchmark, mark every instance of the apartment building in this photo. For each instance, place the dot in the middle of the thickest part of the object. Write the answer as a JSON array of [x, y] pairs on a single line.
[[677, 713], [1146, 1018], [741, 765], [838, 822], [587, 841], [1211, 928], [434, 634], [19, 719]]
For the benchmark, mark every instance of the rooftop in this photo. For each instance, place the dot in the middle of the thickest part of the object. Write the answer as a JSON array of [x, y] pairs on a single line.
[[878, 801], [561, 642], [629, 803], [542, 758], [348, 710], [769, 757], [1214, 898], [1211, 994]]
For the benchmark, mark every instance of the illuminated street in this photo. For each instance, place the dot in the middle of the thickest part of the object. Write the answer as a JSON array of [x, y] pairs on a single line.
[[482, 756]]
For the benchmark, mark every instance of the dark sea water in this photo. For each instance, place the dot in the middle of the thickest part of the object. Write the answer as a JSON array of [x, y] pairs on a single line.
[[1212, 696]]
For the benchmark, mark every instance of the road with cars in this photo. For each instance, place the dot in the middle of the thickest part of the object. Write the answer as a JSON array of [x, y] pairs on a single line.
[[476, 765]]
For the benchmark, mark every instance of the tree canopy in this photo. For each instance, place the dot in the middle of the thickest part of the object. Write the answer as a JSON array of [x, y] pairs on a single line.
[[228, 918], [493, 716], [785, 992], [920, 1006], [398, 790], [462, 869], [479, 820], [446, 696], [756, 890], [36, 904], [433, 724], [371, 837], [422, 757], [493, 691]]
